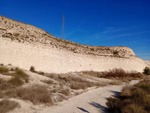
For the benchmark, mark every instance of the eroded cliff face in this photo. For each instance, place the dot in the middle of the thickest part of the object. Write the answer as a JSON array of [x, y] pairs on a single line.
[[24, 45]]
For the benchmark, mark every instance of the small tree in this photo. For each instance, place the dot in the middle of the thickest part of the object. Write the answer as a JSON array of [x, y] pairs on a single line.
[[146, 71]]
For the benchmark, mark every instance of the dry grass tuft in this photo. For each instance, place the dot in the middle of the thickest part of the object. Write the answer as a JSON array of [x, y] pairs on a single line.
[[5, 85], [71, 81], [36, 94], [65, 91], [48, 81], [78, 85], [126, 92], [3, 69], [16, 81], [20, 73], [133, 108], [7, 105], [19, 76]]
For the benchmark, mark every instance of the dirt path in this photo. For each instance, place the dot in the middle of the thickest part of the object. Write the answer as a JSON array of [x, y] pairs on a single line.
[[93, 101]]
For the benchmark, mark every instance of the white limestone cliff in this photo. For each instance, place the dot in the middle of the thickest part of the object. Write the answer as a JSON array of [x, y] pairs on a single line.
[[25, 45]]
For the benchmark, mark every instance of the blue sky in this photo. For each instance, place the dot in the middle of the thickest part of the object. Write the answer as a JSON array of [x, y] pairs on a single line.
[[90, 22]]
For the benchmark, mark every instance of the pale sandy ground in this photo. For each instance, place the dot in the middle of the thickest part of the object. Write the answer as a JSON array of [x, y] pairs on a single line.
[[93, 101]]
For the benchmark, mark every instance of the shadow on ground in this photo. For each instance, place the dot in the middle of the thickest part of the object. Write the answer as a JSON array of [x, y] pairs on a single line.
[[98, 106], [101, 108], [115, 93], [82, 109]]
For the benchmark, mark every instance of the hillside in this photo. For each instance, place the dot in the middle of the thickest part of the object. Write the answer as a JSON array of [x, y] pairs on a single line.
[[25, 45], [27, 33]]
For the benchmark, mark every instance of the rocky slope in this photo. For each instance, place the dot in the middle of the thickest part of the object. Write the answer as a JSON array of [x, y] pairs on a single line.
[[25, 45]]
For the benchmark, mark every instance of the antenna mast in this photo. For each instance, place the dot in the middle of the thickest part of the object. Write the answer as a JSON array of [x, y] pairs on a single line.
[[63, 22]]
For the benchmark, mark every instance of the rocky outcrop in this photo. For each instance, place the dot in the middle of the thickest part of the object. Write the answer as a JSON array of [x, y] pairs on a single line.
[[25, 45]]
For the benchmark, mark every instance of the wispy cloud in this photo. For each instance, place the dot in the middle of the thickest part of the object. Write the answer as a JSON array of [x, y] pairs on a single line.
[[74, 31], [144, 54], [112, 30], [112, 33], [130, 34], [115, 33]]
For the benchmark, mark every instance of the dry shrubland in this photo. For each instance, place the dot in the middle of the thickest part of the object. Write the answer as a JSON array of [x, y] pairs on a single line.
[[7, 105], [72, 81], [36, 94], [115, 74], [58, 87], [132, 99]]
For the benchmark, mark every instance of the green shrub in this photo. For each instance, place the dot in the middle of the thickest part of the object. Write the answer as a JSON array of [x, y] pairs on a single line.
[[20, 74], [146, 71], [3, 69], [144, 86]]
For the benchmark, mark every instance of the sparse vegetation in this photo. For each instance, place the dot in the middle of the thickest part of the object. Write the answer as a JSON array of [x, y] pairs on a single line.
[[120, 73], [65, 91], [78, 85], [48, 81], [71, 81], [16, 81], [20, 74], [4, 85], [7, 105], [115, 74], [18, 78], [146, 71], [36, 94], [3, 69], [132, 99]]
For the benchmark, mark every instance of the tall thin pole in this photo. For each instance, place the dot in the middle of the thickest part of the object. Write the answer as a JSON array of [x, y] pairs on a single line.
[[63, 23]]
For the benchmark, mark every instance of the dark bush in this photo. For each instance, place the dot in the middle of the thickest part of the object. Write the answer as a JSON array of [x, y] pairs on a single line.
[[115, 52], [146, 71], [32, 69]]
